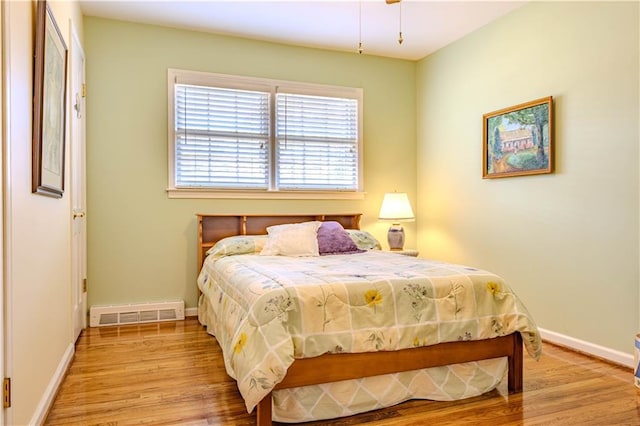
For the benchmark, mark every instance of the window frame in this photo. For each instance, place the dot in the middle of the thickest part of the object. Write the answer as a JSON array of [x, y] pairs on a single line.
[[176, 76]]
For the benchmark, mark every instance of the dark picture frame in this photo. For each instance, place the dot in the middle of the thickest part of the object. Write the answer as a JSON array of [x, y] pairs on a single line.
[[518, 140], [49, 105]]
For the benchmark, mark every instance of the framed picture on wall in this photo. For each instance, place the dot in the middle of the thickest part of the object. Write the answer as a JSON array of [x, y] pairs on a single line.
[[518, 140], [49, 105]]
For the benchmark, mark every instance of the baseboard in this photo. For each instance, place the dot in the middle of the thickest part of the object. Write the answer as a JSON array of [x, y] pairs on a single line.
[[43, 407], [191, 312], [136, 313], [598, 351]]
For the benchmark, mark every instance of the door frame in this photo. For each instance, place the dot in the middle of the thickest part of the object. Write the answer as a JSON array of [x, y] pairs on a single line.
[[5, 319], [78, 183]]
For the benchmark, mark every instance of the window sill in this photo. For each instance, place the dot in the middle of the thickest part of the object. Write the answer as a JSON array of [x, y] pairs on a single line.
[[266, 195]]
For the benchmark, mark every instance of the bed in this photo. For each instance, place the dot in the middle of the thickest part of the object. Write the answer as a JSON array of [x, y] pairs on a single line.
[[285, 355]]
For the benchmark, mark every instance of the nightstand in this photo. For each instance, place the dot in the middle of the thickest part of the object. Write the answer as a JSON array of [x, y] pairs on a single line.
[[406, 252]]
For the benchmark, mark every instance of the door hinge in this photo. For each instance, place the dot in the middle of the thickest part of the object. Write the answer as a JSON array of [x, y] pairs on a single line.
[[6, 393], [84, 90], [84, 285]]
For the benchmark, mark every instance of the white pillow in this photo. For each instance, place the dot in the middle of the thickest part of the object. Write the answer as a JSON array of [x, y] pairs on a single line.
[[294, 239]]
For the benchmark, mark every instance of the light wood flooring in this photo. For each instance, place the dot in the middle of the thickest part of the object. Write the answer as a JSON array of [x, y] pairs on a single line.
[[173, 374]]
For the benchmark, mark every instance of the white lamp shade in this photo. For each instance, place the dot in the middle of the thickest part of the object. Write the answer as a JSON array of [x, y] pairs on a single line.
[[396, 207]]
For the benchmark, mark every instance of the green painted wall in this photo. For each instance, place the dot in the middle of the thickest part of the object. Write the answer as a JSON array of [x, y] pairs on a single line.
[[141, 244], [567, 242]]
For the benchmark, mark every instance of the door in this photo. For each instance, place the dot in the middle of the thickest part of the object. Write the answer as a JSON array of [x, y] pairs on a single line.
[[78, 185]]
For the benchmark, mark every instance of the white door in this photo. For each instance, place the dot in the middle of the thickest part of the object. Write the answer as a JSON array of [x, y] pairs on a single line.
[[78, 183]]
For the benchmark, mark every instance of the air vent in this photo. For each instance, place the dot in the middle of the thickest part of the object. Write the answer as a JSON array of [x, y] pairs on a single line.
[[107, 319], [139, 313]]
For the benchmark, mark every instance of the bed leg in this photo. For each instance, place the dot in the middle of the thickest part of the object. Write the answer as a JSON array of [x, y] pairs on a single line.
[[263, 411], [515, 365]]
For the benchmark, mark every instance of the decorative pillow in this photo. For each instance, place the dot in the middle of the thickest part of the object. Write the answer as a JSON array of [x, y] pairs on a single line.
[[333, 239], [364, 240], [239, 244], [293, 239]]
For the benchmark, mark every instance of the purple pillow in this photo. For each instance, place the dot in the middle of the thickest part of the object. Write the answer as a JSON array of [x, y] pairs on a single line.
[[333, 239]]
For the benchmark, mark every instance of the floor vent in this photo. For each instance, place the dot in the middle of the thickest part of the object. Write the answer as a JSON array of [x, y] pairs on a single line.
[[132, 314]]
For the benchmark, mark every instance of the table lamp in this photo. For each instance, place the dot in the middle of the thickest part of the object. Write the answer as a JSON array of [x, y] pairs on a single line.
[[396, 208]]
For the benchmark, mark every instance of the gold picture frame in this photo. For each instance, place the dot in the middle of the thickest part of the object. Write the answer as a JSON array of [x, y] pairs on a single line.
[[49, 105], [518, 140]]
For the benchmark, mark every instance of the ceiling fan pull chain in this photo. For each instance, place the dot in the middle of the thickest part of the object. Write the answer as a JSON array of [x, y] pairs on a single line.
[[360, 49], [400, 39]]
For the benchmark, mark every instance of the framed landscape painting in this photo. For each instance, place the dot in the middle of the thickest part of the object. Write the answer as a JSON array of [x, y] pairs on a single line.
[[518, 140]]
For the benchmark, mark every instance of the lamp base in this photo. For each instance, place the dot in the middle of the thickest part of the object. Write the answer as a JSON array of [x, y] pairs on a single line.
[[395, 237]]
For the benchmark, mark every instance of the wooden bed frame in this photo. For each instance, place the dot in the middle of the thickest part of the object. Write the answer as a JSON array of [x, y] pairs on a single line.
[[335, 367]]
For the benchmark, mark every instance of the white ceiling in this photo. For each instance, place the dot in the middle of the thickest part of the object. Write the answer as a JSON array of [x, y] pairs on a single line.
[[329, 24]]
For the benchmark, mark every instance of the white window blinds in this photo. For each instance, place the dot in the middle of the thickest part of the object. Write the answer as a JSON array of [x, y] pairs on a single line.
[[316, 142], [243, 136], [221, 137]]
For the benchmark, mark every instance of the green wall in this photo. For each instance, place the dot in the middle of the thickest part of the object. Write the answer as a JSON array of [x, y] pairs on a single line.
[[141, 244], [567, 242]]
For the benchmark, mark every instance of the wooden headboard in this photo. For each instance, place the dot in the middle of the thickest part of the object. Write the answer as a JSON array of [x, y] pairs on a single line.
[[212, 228]]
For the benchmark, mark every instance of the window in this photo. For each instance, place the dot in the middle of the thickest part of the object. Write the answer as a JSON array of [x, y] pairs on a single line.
[[221, 137], [249, 137]]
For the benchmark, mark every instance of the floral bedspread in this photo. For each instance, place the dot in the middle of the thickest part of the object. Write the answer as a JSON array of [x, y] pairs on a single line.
[[265, 311]]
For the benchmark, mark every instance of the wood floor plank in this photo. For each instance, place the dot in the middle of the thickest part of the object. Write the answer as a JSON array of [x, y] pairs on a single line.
[[173, 374]]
